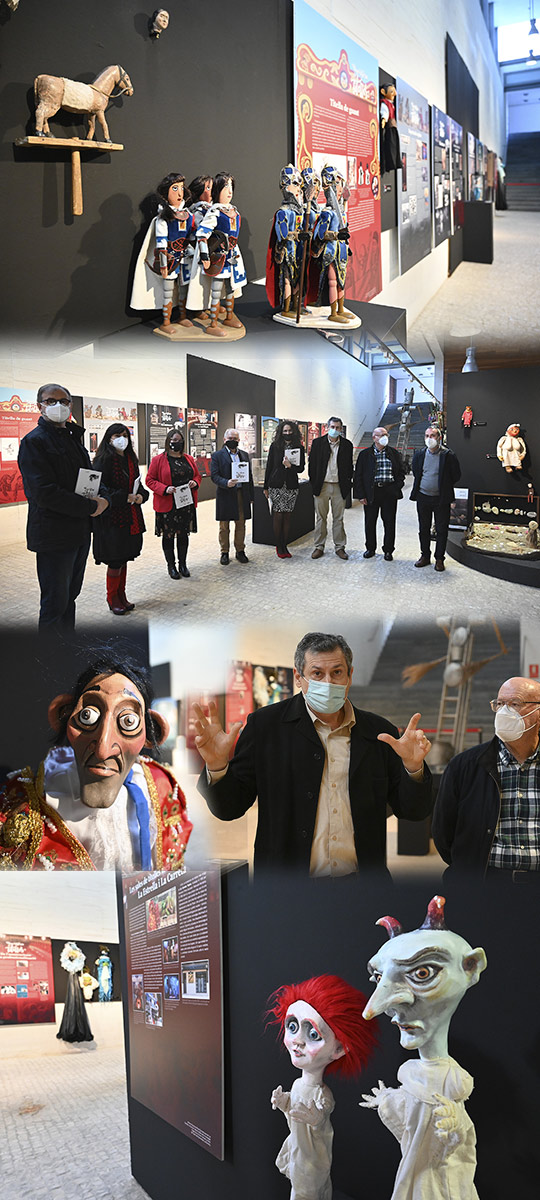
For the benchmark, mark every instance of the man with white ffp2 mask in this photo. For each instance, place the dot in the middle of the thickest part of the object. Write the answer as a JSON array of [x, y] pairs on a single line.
[[436, 469], [323, 772], [487, 815]]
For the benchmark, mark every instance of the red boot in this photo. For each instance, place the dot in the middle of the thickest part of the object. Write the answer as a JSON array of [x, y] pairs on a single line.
[[114, 600], [122, 591]]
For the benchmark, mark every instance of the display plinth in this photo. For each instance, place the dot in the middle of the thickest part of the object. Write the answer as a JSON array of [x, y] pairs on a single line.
[[478, 232], [319, 319], [515, 570], [75, 145], [302, 516], [201, 333]]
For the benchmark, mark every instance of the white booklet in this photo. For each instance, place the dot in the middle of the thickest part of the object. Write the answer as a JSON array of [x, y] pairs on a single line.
[[88, 483], [182, 495], [293, 455], [240, 472]]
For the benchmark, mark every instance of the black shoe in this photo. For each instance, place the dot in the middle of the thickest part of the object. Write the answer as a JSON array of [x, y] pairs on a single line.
[[224, 560], [388, 557], [369, 554], [174, 574], [242, 556], [184, 571]]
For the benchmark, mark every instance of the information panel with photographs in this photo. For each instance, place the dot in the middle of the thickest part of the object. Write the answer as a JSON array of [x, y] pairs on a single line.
[[202, 437], [441, 176], [414, 206], [26, 980], [457, 174], [268, 429], [99, 414], [160, 418], [246, 424], [172, 929], [19, 414]]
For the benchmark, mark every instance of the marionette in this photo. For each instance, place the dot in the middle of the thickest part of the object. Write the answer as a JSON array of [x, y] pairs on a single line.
[[164, 263], [511, 449], [200, 190], [330, 250], [390, 147], [88, 984], [323, 1030], [75, 1026], [467, 417], [287, 238], [105, 974], [420, 979], [158, 22], [218, 268]]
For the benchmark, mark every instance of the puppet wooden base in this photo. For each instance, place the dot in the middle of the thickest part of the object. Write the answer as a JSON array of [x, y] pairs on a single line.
[[198, 333], [319, 318], [74, 144]]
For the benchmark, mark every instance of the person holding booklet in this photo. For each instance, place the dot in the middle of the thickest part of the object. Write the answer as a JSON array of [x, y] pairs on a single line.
[[63, 501], [174, 478], [286, 461], [118, 537], [230, 469]]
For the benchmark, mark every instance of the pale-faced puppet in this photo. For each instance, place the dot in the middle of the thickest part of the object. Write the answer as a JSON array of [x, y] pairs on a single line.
[[165, 260], [218, 268], [511, 449]]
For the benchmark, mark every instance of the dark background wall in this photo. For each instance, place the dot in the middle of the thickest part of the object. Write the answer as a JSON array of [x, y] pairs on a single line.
[[284, 933], [461, 90], [213, 386], [499, 398], [70, 275]]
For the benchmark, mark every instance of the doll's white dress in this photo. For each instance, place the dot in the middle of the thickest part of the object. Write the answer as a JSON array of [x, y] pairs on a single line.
[[306, 1155]]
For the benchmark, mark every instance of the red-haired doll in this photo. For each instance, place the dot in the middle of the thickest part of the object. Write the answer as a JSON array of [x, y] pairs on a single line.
[[323, 1029]]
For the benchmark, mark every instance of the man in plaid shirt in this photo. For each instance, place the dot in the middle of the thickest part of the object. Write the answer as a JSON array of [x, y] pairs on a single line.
[[378, 479], [487, 815]]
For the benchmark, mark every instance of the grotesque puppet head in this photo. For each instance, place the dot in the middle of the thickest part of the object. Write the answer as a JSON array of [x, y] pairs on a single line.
[[107, 720], [421, 978], [322, 1026]]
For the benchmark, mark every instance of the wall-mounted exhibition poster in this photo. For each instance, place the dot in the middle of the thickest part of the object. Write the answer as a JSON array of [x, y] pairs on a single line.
[[414, 211], [441, 176], [481, 167], [172, 929], [336, 121], [459, 509], [169, 708], [202, 436], [246, 424], [26, 980], [99, 414], [268, 429], [239, 694], [18, 415], [271, 684], [457, 174], [160, 418], [314, 431], [474, 168]]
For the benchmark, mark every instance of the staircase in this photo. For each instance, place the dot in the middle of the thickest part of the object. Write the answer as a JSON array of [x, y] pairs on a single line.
[[523, 172]]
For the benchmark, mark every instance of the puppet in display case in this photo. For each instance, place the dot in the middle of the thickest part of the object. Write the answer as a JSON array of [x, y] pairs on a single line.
[[218, 268], [390, 147], [511, 449], [330, 247], [420, 979], [164, 264], [323, 1030]]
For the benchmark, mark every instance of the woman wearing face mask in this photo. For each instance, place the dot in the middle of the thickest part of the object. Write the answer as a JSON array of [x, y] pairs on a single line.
[[286, 461], [118, 536], [174, 479]]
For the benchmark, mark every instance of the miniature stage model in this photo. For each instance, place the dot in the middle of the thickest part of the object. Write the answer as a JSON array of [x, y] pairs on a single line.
[[421, 978], [390, 147], [53, 92], [75, 1026], [166, 256], [158, 22], [330, 251], [323, 1030], [218, 268], [511, 449]]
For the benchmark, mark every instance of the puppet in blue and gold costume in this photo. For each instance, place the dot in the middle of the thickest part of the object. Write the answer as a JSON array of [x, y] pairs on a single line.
[[330, 249], [285, 247]]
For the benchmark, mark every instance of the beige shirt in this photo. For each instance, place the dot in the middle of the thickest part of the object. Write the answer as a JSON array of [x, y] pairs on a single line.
[[331, 470], [332, 849]]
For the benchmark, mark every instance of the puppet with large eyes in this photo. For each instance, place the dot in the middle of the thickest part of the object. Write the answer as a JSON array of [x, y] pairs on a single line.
[[323, 1030], [163, 269], [420, 979]]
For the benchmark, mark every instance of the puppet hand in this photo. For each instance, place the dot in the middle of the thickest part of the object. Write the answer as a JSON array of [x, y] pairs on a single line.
[[307, 1114], [279, 1098], [213, 744], [447, 1114], [411, 747], [374, 1099]]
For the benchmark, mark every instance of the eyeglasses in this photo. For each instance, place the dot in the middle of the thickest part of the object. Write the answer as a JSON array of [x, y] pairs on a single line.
[[519, 705]]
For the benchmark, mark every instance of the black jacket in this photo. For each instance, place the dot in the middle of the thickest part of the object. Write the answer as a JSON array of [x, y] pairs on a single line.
[[114, 542], [364, 474], [49, 462], [226, 501], [279, 759], [276, 474], [318, 462], [467, 809], [449, 473]]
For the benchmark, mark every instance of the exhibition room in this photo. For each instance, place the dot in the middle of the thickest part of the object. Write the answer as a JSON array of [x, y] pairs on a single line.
[[261, 839]]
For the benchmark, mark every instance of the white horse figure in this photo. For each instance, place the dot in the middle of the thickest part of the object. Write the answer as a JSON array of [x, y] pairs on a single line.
[[52, 92]]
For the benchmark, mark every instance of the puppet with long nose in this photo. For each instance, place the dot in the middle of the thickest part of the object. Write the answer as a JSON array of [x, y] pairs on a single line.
[[420, 979]]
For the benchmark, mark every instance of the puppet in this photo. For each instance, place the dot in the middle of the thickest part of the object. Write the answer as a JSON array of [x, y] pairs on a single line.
[[390, 147], [323, 1030], [74, 1026], [165, 259], [511, 449], [88, 984], [218, 268], [200, 190], [420, 979], [287, 236], [467, 417], [158, 23], [105, 974], [52, 92], [330, 250]]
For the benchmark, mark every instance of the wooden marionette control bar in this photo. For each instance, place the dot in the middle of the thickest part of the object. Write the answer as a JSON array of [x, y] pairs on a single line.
[[75, 145]]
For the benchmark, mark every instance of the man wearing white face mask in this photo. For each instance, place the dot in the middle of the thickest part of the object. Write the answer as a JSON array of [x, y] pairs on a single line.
[[322, 771], [487, 816], [59, 520], [436, 469], [379, 476]]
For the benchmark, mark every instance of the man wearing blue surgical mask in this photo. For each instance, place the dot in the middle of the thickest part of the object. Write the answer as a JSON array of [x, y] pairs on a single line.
[[59, 518], [323, 772], [487, 816], [330, 471]]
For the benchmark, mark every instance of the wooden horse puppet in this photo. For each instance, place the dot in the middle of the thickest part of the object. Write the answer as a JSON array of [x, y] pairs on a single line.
[[52, 93]]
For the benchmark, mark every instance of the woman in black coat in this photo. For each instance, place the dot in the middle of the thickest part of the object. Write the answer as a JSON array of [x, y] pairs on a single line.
[[118, 539], [281, 480]]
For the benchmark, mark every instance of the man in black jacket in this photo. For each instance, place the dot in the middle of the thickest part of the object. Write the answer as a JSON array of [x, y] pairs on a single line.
[[378, 479], [58, 525], [323, 772], [330, 472], [487, 815], [436, 469], [233, 497]]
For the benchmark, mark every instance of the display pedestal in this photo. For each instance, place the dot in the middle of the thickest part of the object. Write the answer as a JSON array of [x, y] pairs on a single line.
[[515, 570], [302, 516]]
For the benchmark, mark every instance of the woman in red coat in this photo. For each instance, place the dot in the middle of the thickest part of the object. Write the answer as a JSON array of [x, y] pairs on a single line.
[[174, 479]]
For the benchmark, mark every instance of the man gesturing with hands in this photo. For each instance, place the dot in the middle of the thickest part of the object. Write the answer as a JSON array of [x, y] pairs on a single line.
[[323, 772]]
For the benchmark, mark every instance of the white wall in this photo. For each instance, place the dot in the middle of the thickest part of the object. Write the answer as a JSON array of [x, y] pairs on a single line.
[[523, 117], [79, 905]]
